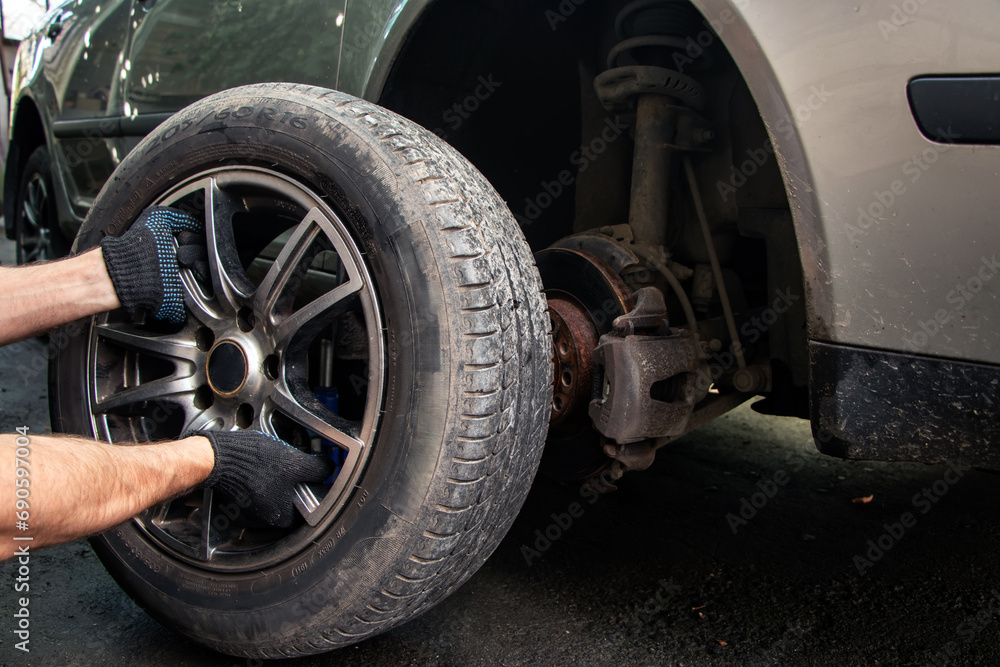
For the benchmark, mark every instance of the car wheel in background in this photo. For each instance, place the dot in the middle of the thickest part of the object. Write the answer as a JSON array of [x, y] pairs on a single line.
[[36, 225]]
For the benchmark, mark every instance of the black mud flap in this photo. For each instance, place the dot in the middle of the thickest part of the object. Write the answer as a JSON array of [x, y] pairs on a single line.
[[885, 406]]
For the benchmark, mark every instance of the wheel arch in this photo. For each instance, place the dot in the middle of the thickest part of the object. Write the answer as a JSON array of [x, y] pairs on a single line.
[[27, 132], [376, 30], [401, 29], [727, 18]]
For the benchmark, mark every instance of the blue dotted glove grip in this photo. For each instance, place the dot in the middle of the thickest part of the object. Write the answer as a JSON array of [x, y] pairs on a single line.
[[143, 266]]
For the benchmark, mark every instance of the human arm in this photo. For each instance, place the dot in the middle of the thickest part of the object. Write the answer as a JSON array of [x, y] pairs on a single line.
[[80, 487], [136, 270], [40, 297]]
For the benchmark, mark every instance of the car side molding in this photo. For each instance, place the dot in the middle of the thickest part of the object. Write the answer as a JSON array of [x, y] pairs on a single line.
[[109, 126]]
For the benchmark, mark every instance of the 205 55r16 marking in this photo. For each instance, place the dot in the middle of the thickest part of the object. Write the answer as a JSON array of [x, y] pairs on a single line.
[[369, 297]]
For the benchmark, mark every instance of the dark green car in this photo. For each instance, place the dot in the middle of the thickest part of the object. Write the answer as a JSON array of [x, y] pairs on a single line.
[[675, 206]]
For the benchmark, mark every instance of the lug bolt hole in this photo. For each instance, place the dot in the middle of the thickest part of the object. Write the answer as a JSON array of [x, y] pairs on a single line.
[[271, 368], [203, 397], [244, 415], [567, 378], [563, 350], [204, 338], [557, 403], [245, 319]]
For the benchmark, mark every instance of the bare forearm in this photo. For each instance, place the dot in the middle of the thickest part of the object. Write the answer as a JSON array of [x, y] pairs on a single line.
[[37, 298], [80, 487]]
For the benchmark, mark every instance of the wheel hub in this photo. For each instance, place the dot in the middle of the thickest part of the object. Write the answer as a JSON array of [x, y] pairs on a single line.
[[227, 368], [574, 338], [585, 295]]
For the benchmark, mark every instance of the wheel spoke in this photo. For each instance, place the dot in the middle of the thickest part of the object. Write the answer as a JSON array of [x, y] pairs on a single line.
[[224, 265], [315, 315], [217, 526], [331, 426], [313, 500], [198, 420], [30, 214], [286, 265], [163, 346], [34, 203], [289, 265], [36, 253], [147, 391], [206, 547], [202, 307], [158, 514]]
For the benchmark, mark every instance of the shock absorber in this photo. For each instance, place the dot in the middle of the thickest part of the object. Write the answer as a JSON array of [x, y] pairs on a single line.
[[642, 75]]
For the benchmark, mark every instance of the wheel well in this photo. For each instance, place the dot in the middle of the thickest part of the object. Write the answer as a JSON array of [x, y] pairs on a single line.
[[27, 134], [528, 132], [505, 92]]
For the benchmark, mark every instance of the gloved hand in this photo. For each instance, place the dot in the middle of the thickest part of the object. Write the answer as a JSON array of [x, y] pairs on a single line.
[[192, 254], [258, 471], [142, 262]]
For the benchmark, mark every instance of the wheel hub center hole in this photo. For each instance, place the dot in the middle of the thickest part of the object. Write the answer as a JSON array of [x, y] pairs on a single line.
[[227, 368]]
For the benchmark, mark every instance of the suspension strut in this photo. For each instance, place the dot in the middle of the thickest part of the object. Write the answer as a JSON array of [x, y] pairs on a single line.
[[619, 361], [641, 75]]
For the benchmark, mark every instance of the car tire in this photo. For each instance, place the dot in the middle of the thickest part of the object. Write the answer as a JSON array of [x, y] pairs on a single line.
[[460, 324], [36, 223]]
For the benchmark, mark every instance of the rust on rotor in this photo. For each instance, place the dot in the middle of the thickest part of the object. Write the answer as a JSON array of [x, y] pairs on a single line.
[[574, 338]]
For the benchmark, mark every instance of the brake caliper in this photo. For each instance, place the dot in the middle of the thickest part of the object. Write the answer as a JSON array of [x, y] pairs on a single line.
[[649, 389]]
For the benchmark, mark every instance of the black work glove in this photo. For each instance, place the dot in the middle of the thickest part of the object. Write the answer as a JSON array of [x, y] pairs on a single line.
[[258, 471], [142, 262], [192, 253]]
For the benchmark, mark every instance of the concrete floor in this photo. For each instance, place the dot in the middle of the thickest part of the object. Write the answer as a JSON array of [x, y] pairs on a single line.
[[653, 574]]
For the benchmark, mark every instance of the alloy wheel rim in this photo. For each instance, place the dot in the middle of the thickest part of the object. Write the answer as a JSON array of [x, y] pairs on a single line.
[[268, 316], [35, 235]]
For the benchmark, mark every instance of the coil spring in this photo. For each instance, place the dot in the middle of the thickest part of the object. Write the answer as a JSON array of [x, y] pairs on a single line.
[[651, 31]]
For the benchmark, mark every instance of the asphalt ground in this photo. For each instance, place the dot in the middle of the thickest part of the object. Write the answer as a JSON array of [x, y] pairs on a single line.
[[666, 571]]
